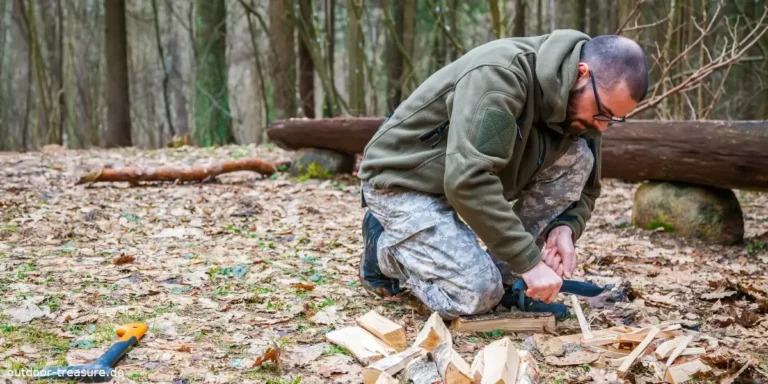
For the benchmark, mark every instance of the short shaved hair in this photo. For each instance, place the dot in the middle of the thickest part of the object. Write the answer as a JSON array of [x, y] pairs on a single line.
[[615, 59]]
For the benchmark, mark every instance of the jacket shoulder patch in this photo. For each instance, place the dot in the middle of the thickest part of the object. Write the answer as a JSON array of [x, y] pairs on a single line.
[[496, 133]]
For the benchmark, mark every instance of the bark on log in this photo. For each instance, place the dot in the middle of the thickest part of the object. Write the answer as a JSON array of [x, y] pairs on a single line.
[[726, 154], [135, 174]]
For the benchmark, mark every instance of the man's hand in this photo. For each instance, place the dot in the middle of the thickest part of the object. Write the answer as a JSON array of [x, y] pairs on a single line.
[[552, 259], [543, 283], [560, 239]]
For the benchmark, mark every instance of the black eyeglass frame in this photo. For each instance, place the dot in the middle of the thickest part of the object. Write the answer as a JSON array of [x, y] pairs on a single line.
[[600, 115]]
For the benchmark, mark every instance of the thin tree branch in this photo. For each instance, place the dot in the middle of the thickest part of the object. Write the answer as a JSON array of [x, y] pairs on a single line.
[[631, 15], [445, 30]]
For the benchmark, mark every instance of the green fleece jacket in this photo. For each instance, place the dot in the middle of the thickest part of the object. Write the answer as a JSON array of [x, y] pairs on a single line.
[[479, 129]]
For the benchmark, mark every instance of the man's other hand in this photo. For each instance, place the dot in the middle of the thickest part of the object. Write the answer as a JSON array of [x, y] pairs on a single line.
[[561, 239], [543, 283], [552, 259]]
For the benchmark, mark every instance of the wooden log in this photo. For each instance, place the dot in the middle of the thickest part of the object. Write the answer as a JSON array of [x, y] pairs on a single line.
[[505, 321], [385, 329], [433, 333], [624, 368], [365, 347], [342, 134], [391, 364], [726, 154], [528, 371], [451, 367], [421, 371], [683, 372], [198, 173]]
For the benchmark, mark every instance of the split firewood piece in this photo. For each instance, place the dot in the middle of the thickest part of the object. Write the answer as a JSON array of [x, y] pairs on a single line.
[[528, 371], [679, 349], [683, 372], [365, 347], [663, 350], [391, 364], [617, 362], [624, 368], [638, 337], [611, 352], [497, 363], [433, 333], [421, 370], [386, 378], [505, 321], [693, 351], [451, 367], [599, 341], [199, 173], [585, 331], [385, 329]]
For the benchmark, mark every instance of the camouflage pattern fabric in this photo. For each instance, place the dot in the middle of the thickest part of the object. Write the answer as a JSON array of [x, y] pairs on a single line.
[[432, 252]]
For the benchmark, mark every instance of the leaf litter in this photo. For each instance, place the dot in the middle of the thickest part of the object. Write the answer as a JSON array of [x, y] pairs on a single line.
[[223, 270]]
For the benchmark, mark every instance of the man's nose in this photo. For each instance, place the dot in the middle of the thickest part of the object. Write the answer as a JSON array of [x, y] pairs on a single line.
[[602, 125]]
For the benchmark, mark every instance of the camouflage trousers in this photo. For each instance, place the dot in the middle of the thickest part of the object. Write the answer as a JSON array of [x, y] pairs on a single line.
[[437, 256]]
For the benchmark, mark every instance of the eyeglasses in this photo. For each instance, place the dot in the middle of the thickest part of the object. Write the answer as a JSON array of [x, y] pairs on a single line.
[[601, 116]]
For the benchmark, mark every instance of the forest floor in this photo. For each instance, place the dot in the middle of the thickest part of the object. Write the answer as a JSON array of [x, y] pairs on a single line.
[[221, 271]]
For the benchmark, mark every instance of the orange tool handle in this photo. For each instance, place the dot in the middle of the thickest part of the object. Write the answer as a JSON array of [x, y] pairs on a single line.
[[131, 329]]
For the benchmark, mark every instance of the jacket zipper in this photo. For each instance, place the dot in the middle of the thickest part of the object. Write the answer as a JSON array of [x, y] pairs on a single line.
[[437, 131]]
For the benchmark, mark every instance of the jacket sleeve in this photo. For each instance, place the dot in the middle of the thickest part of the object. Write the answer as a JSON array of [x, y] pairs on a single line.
[[481, 138], [577, 215]]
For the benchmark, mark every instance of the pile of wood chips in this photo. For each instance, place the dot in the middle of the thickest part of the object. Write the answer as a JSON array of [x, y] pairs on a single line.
[[673, 354], [381, 346]]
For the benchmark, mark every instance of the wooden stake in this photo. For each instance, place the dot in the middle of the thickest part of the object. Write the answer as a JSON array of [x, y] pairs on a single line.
[[385, 329], [390, 365], [365, 347], [679, 349], [624, 368], [433, 333], [451, 367], [683, 372], [585, 331], [497, 363], [505, 321]]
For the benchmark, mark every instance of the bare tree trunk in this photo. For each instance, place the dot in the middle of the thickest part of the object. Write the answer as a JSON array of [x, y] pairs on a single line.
[[452, 23], [539, 17], [393, 55], [166, 75], [176, 83], [356, 72], [552, 15], [497, 14], [284, 64], [595, 15], [580, 15], [519, 28], [259, 71], [409, 43], [330, 35], [613, 17], [306, 65], [118, 99]]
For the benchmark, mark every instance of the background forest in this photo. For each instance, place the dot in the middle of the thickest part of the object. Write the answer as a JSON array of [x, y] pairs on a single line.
[[84, 73]]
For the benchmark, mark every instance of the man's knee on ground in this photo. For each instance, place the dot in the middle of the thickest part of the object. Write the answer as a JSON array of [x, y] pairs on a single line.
[[482, 294]]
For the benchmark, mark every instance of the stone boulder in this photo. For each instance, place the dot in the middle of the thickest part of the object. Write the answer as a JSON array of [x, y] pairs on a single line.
[[690, 211], [320, 163]]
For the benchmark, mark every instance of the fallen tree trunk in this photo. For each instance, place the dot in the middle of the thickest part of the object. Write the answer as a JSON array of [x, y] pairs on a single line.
[[726, 154], [200, 173]]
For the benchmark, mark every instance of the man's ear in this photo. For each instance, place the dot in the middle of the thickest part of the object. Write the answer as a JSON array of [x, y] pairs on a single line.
[[582, 76]]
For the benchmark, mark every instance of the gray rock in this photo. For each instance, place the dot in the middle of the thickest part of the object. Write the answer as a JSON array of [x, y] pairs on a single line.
[[691, 211], [320, 163]]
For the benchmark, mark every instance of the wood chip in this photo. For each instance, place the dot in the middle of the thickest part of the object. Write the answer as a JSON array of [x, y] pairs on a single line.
[[679, 349], [683, 372]]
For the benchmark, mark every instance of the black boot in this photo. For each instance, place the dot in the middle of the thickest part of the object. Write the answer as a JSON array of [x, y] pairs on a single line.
[[371, 277]]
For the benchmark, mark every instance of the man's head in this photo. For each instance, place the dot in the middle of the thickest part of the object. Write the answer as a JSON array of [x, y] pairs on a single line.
[[612, 79]]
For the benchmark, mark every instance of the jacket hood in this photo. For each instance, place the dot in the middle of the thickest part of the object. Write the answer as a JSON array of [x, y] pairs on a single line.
[[556, 65]]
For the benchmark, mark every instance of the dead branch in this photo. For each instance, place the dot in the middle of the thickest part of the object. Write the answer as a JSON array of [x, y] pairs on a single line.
[[451, 37], [631, 15], [730, 55], [644, 26], [199, 173]]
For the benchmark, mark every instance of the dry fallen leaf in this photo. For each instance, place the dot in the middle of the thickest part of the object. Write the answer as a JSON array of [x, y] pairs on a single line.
[[304, 286], [123, 259], [184, 348], [271, 354]]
